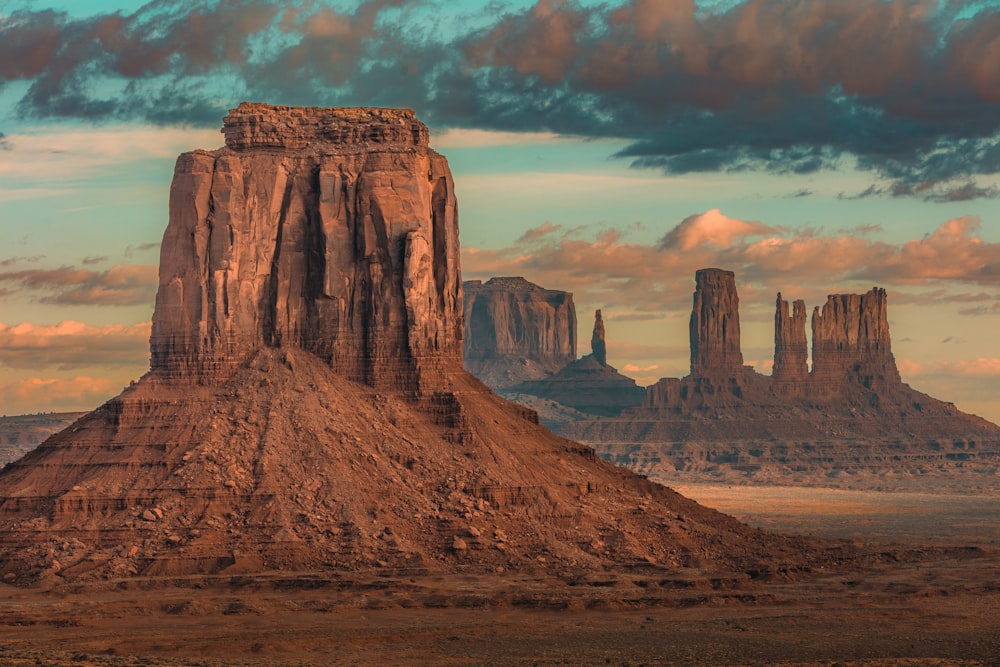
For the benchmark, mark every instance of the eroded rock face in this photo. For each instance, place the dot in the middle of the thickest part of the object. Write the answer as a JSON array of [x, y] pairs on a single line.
[[306, 410], [516, 330], [715, 325], [791, 351], [332, 230], [851, 341]]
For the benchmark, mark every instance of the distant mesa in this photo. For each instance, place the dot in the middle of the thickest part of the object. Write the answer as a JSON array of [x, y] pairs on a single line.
[[516, 331], [306, 409]]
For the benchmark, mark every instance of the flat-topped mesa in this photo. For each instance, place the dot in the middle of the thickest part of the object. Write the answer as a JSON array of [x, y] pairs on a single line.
[[791, 351], [516, 330], [715, 326], [351, 255], [256, 125], [598, 345], [851, 342]]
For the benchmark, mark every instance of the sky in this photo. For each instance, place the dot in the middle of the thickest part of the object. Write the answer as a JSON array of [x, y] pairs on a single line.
[[605, 148]]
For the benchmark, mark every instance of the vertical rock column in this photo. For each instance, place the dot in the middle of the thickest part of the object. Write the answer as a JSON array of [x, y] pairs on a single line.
[[791, 351], [598, 346], [715, 326]]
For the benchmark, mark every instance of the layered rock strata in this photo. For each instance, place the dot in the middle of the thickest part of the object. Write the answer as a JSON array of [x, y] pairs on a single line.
[[791, 351], [331, 230], [851, 342], [516, 330], [304, 415]]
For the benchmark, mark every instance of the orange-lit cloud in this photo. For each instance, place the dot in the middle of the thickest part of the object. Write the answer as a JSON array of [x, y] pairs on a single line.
[[638, 279], [69, 345], [55, 395], [711, 227]]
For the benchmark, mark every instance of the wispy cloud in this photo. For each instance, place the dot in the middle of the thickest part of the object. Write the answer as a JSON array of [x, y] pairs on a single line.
[[121, 285], [56, 394]]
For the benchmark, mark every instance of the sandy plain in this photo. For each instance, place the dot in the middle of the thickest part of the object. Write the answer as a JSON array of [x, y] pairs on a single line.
[[930, 596]]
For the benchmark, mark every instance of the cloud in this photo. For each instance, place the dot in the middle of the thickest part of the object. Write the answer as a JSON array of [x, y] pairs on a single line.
[[142, 247], [93, 259], [711, 227], [71, 345], [121, 285], [11, 261], [637, 280], [905, 89], [56, 395]]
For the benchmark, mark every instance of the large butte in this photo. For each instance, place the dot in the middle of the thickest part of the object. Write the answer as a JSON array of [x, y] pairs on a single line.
[[306, 408]]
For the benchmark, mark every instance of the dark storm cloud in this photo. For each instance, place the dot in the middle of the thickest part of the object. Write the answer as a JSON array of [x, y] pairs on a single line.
[[908, 90]]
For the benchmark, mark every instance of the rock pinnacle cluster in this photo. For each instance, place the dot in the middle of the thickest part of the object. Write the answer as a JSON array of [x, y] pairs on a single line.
[[306, 411], [850, 412]]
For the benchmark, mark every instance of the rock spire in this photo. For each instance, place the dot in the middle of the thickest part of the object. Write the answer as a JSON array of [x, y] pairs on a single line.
[[791, 351], [715, 325], [598, 345]]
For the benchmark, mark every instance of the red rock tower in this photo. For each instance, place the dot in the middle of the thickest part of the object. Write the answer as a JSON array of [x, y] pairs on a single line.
[[791, 352], [851, 342], [598, 345], [715, 326]]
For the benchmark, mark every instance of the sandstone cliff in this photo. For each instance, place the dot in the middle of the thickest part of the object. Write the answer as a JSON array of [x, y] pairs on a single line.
[[516, 330], [851, 342], [305, 414], [332, 230], [791, 351]]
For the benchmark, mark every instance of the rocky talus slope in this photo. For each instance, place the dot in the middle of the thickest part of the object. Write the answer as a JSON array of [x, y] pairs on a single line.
[[306, 409]]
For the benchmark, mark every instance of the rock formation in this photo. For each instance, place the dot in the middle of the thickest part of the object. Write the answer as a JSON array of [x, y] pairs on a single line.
[[587, 385], [305, 410], [598, 346], [331, 230], [715, 326], [516, 330], [791, 351], [851, 342], [851, 412]]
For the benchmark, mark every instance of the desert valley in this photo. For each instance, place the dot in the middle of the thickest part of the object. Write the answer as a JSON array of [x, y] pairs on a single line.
[[307, 474]]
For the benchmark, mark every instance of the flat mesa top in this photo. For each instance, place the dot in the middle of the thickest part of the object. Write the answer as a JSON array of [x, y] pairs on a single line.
[[258, 125]]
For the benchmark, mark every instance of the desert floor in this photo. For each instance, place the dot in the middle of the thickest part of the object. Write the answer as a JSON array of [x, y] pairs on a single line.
[[939, 605]]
